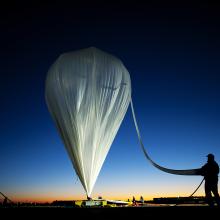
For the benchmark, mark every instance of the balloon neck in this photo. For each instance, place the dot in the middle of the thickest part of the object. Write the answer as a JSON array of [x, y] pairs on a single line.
[[89, 198]]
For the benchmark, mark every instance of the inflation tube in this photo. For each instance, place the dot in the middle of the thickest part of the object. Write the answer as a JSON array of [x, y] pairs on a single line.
[[167, 170]]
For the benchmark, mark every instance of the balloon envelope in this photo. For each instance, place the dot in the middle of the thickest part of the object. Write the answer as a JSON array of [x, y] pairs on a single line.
[[87, 93]]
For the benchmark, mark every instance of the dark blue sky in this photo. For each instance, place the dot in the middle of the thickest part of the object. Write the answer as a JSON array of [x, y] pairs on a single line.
[[172, 53]]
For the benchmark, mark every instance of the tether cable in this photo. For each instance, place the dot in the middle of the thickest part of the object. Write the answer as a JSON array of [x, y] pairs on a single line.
[[172, 171]]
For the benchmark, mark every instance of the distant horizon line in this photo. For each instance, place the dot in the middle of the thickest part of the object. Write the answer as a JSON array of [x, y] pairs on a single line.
[[45, 201]]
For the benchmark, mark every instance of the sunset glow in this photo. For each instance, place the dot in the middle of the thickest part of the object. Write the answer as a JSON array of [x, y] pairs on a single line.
[[172, 56]]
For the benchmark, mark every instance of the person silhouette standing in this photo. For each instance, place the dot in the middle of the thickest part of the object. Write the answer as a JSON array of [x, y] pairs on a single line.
[[210, 172], [134, 201], [5, 202]]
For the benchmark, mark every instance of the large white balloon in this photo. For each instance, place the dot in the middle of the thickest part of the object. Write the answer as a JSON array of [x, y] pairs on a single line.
[[88, 92]]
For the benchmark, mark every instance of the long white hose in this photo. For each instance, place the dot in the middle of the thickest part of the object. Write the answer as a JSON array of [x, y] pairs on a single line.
[[167, 170]]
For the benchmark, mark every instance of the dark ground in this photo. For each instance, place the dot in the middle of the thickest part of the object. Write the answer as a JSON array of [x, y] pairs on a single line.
[[173, 212]]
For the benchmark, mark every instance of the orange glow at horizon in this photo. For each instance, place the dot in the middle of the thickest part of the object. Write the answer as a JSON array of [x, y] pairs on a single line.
[[47, 198], [107, 189]]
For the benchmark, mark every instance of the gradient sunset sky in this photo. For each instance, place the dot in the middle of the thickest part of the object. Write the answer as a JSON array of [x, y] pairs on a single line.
[[172, 53]]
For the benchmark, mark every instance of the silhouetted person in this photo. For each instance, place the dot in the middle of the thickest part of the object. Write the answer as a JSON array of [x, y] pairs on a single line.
[[142, 199], [5, 202], [210, 172], [134, 200]]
